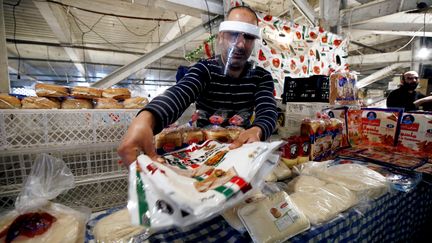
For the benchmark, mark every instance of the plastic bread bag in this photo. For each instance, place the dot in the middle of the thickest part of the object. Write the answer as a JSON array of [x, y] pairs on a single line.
[[219, 117], [35, 218], [366, 183], [281, 171], [400, 180], [231, 214], [273, 219], [324, 203], [196, 182], [117, 227], [242, 119]]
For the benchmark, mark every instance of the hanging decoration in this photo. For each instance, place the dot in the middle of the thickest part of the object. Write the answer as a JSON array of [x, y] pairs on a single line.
[[202, 51]]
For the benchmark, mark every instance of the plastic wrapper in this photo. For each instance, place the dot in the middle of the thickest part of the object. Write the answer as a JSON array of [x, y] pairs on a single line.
[[196, 182], [117, 227], [354, 120], [324, 203], [390, 156], [241, 119], [340, 113], [168, 140], [231, 215], [271, 177], [218, 133], [281, 171], [219, 117], [400, 180], [366, 183], [290, 151], [273, 219], [35, 218], [343, 90]]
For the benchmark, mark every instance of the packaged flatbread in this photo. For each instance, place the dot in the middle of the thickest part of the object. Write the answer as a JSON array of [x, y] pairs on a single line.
[[416, 133], [195, 182], [273, 219], [380, 126]]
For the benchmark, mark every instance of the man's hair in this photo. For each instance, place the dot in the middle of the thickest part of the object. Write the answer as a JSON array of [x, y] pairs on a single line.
[[403, 74], [245, 8]]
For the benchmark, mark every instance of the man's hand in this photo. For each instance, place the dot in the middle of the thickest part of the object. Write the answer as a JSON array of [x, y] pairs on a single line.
[[139, 137], [421, 101], [250, 135]]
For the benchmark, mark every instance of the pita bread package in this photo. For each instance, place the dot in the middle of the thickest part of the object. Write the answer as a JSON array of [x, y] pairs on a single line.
[[196, 182], [35, 218]]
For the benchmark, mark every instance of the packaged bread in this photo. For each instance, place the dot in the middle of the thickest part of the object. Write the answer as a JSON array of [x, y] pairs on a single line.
[[343, 90], [85, 92], [273, 219], [54, 223], [40, 103], [218, 134], [290, 152], [192, 135], [168, 141], [380, 126], [324, 203], [281, 171], [50, 90], [9, 102], [117, 227], [234, 132], [76, 104], [116, 93], [107, 103], [135, 103]]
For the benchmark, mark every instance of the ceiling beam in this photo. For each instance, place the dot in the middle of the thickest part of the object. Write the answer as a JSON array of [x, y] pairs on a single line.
[[132, 9], [390, 57], [306, 10], [57, 21], [154, 55], [193, 7], [380, 74], [376, 9]]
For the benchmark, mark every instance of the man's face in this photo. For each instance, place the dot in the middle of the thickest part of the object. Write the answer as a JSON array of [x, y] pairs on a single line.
[[243, 43], [410, 80]]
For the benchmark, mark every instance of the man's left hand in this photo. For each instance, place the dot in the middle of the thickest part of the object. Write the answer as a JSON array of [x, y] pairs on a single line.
[[250, 135]]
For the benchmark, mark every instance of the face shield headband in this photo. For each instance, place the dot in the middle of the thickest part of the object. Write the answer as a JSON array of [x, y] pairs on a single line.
[[238, 26]]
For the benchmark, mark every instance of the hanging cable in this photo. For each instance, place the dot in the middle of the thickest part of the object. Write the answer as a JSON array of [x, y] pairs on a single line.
[[14, 36]]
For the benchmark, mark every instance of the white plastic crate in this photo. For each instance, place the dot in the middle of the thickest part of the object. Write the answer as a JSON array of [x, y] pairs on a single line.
[[44, 128], [84, 161], [98, 194]]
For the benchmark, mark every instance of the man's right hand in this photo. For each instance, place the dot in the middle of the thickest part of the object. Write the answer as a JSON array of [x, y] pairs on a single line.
[[139, 137]]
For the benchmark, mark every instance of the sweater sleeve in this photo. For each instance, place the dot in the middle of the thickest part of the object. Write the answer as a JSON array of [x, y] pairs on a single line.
[[265, 107], [171, 104]]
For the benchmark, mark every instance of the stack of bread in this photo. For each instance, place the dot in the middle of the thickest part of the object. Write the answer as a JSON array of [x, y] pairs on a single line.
[[50, 96]]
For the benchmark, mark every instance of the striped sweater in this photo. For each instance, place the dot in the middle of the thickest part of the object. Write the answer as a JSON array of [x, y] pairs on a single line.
[[205, 85]]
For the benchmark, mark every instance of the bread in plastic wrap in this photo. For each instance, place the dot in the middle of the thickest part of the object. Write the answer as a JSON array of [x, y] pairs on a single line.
[[281, 171], [324, 203], [304, 183], [68, 226], [273, 219], [117, 227]]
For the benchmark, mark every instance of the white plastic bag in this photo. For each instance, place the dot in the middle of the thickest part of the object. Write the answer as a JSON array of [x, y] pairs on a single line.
[[197, 182], [35, 218]]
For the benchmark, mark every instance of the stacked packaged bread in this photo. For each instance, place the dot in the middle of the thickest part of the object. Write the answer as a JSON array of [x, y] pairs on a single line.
[[135, 103], [85, 92], [116, 93], [107, 103], [76, 104]]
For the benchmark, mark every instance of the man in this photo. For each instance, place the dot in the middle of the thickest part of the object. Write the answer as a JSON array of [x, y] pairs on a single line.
[[227, 82], [405, 96]]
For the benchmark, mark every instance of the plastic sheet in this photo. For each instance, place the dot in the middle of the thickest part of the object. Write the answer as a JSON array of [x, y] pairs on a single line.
[[197, 182], [35, 218]]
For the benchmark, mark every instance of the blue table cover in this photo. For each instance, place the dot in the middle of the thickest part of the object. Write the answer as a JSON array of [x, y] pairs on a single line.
[[394, 217]]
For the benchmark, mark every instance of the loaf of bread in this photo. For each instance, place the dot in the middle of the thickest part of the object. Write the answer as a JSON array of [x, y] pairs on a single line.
[[77, 104], [40, 103], [85, 92], [50, 90], [135, 103], [168, 141], [9, 102], [218, 134], [234, 132], [107, 103], [116, 93], [192, 136]]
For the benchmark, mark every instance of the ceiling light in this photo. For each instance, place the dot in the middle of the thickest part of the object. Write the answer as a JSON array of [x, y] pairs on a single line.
[[423, 53]]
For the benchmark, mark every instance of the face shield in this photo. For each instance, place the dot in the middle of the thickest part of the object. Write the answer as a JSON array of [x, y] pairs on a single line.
[[238, 41]]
